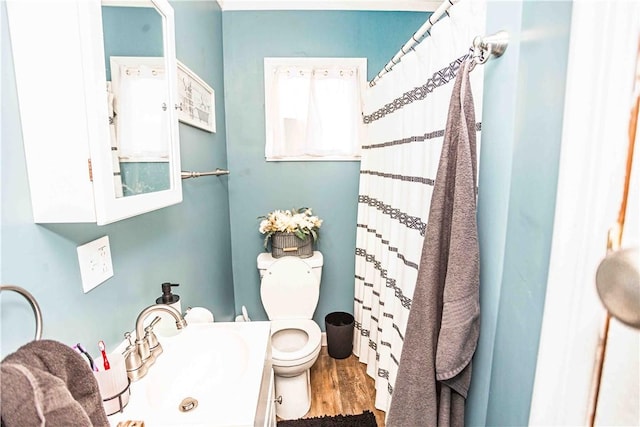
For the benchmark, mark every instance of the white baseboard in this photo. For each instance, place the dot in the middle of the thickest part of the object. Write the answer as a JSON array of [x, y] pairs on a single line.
[[323, 339]]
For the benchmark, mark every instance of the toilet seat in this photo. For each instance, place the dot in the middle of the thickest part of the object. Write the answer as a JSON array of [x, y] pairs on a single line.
[[300, 355]]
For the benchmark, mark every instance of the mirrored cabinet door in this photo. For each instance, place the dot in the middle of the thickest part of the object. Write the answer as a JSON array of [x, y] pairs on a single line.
[[100, 127]]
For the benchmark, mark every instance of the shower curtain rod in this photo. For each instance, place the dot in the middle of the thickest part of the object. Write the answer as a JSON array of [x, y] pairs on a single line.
[[483, 47], [415, 38]]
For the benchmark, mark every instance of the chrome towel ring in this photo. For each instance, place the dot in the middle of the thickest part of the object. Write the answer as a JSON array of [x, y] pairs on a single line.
[[32, 302]]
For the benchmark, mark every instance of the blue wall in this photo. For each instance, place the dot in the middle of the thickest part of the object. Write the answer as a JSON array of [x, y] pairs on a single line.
[[187, 243], [120, 25], [330, 188], [521, 136]]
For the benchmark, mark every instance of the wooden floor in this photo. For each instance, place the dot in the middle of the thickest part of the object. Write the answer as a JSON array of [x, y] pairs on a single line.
[[341, 386]]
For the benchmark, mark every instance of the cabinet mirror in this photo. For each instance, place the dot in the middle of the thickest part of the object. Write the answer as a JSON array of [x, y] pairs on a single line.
[[80, 167], [138, 97], [139, 64]]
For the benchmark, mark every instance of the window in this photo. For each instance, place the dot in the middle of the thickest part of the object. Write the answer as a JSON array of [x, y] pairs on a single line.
[[313, 108]]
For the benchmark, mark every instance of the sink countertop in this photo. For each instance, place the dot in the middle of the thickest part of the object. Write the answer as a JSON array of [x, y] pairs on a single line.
[[232, 402]]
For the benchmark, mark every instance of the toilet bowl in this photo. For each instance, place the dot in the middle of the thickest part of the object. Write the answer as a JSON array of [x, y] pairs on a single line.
[[289, 291], [294, 345]]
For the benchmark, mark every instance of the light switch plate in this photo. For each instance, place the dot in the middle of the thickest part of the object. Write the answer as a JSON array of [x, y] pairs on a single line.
[[95, 263]]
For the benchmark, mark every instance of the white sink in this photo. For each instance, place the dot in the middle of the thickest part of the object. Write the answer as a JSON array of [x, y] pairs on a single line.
[[206, 362], [219, 366]]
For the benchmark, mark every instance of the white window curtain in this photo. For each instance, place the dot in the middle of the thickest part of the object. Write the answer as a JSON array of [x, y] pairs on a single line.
[[141, 108], [315, 113]]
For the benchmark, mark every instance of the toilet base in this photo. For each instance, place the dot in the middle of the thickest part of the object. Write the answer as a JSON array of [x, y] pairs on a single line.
[[296, 395]]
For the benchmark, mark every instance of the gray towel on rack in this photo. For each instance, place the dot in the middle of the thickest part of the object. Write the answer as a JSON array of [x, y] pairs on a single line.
[[443, 326], [47, 383]]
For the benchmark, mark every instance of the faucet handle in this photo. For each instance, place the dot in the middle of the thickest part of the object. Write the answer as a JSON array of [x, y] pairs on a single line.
[[154, 346], [148, 332], [150, 336], [127, 335], [153, 323]]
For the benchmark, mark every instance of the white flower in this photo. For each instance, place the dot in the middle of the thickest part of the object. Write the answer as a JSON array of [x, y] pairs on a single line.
[[302, 222], [264, 226]]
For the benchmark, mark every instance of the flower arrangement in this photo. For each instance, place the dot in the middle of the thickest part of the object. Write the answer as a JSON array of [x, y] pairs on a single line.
[[300, 222]]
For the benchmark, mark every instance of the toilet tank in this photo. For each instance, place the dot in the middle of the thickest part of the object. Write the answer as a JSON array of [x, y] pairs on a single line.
[[315, 261]]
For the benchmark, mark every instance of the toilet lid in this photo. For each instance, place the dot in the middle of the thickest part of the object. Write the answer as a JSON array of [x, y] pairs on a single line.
[[289, 289]]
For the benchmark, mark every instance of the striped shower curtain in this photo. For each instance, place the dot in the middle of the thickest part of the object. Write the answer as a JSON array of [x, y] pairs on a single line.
[[405, 115]]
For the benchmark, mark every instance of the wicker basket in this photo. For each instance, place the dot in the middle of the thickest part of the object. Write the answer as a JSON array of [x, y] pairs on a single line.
[[288, 244]]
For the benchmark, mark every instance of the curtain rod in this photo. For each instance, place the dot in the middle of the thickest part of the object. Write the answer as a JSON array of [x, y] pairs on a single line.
[[415, 38], [481, 50]]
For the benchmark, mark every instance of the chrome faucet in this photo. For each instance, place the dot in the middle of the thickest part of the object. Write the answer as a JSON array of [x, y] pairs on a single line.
[[141, 355]]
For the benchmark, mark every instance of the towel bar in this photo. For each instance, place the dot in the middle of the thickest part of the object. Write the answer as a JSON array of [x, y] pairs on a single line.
[[34, 306], [217, 172]]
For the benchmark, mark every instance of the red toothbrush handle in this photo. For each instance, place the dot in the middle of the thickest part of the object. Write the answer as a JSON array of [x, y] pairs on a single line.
[[106, 361]]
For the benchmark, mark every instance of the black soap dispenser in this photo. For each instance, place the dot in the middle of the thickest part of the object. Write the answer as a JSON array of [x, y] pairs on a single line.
[[169, 298]]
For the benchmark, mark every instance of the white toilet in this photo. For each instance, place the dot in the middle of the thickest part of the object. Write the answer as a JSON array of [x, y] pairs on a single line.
[[289, 289]]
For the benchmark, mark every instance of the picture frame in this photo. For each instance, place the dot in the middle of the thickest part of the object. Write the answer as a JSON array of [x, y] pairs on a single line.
[[196, 100]]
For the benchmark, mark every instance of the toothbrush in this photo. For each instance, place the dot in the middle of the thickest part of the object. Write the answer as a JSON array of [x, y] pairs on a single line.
[[102, 347], [84, 352]]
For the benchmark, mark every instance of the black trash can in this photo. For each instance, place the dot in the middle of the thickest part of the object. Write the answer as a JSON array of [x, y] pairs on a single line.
[[339, 328]]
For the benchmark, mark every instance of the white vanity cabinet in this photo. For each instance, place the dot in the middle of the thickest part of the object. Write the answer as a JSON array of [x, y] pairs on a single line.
[[270, 418], [266, 408], [61, 79]]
